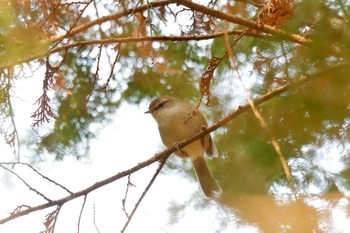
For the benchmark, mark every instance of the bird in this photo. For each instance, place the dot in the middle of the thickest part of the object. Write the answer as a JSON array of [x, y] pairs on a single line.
[[178, 120]]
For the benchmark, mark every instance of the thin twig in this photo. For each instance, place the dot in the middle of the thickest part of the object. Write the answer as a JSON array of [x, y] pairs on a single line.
[[128, 185], [98, 16], [37, 172], [25, 183], [106, 18], [128, 40], [81, 212], [117, 48], [145, 192], [13, 137], [54, 7], [12, 117], [96, 227], [96, 75], [257, 4], [72, 26]]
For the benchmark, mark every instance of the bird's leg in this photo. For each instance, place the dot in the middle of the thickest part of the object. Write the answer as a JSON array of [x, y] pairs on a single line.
[[181, 153], [203, 127]]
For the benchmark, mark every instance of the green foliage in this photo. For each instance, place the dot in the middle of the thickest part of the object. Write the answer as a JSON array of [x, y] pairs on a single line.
[[172, 74]]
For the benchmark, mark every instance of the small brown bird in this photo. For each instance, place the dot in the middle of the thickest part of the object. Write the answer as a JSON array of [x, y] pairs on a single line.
[[174, 124]]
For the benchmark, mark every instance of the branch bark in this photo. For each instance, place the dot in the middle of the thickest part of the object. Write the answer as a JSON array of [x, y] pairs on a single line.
[[194, 6], [244, 22], [167, 152], [106, 18], [129, 40]]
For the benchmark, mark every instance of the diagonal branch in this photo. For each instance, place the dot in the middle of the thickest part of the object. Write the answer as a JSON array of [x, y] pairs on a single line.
[[38, 173], [167, 152], [25, 183], [242, 21], [106, 18], [260, 118], [81, 12], [144, 192]]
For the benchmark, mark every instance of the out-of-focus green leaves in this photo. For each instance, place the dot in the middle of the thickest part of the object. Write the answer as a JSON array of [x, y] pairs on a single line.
[[169, 73], [314, 115]]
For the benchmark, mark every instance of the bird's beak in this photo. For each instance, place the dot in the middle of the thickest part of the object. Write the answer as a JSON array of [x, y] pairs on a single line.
[[147, 111]]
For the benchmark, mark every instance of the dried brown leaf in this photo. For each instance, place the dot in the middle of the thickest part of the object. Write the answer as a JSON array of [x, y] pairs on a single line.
[[276, 12]]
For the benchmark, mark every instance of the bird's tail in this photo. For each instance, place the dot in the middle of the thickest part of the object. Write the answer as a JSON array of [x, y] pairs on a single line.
[[209, 185]]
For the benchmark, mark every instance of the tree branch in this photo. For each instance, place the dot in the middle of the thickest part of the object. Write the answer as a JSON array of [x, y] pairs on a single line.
[[129, 40], [256, 3], [242, 21], [196, 7], [167, 152], [106, 18]]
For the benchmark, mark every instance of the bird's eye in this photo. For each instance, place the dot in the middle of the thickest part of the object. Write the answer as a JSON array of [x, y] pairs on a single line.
[[160, 105]]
